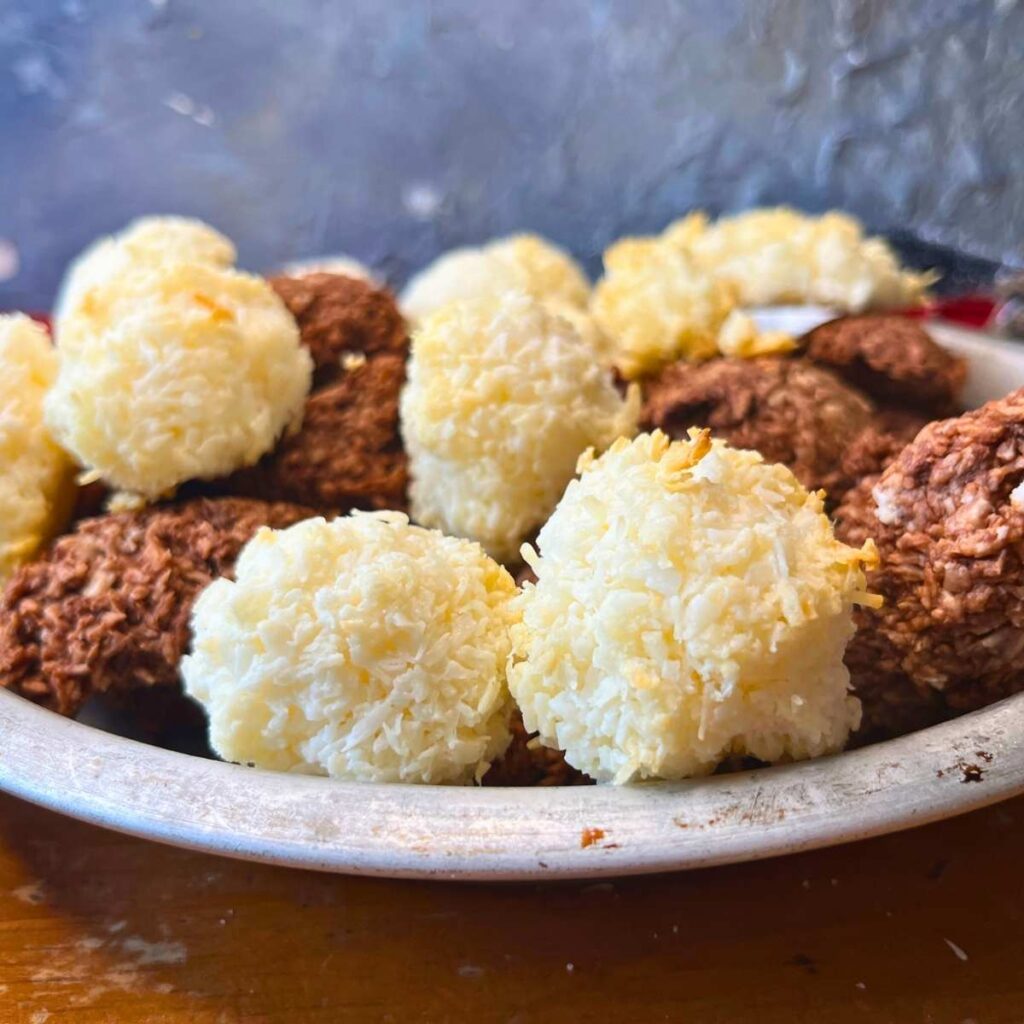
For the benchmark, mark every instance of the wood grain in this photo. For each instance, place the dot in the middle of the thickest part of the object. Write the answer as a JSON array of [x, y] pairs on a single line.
[[922, 926]]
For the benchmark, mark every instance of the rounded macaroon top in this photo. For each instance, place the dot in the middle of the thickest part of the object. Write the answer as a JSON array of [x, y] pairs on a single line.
[[363, 648], [36, 486], [149, 241], [780, 255], [176, 372], [691, 603], [523, 262], [502, 397], [657, 306]]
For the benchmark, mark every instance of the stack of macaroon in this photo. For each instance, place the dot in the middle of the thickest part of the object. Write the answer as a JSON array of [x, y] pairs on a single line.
[[318, 501]]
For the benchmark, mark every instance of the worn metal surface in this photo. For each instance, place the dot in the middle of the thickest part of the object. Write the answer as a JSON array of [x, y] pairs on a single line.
[[469, 833], [396, 128]]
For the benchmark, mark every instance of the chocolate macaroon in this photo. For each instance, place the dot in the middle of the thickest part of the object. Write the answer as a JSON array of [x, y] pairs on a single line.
[[107, 608], [947, 516], [787, 409], [891, 358], [340, 317], [348, 453]]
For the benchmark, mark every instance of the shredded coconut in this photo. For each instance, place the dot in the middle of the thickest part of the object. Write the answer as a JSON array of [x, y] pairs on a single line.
[[739, 336], [586, 327], [658, 306], [362, 648], [524, 262], [691, 603], [174, 372], [674, 296], [501, 399], [1017, 496], [36, 477], [150, 241], [779, 255], [887, 505]]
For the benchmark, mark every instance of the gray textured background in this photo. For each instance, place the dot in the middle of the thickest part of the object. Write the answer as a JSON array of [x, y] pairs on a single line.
[[393, 128]]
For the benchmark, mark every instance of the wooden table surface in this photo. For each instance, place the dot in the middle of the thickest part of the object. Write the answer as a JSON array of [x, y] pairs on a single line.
[[923, 926]]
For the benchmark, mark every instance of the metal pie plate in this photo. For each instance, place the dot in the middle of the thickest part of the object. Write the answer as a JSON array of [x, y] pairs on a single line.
[[474, 833]]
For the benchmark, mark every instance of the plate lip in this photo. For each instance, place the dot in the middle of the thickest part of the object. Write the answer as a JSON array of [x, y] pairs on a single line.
[[87, 755], [93, 776]]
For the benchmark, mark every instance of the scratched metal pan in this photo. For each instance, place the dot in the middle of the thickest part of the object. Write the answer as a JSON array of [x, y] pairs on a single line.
[[471, 833]]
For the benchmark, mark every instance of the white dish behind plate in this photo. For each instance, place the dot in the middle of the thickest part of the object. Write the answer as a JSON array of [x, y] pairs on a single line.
[[468, 833]]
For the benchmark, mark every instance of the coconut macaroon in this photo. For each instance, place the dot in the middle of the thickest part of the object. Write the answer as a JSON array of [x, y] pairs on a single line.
[[658, 306], [600, 344], [36, 477], [176, 372], [741, 336], [363, 648], [149, 241], [691, 603], [523, 262], [779, 255], [502, 397]]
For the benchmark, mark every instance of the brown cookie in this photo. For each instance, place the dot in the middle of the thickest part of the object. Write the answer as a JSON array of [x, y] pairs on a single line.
[[106, 609], [347, 454], [527, 763], [787, 409], [892, 359], [341, 316], [950, 532]]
